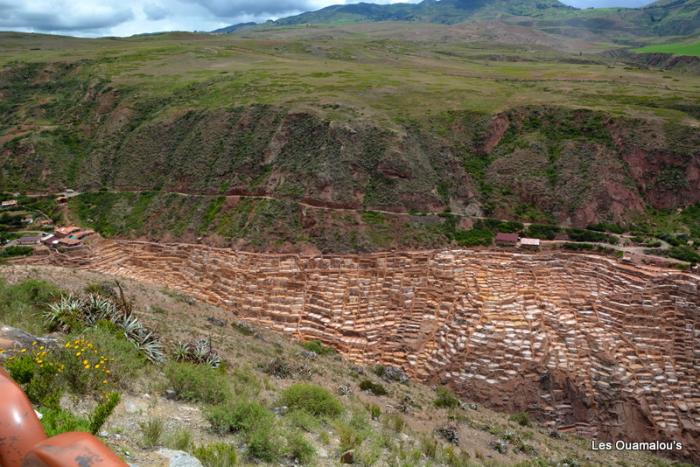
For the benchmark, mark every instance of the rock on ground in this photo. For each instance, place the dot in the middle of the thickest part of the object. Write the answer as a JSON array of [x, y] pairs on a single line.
[[179, 458]]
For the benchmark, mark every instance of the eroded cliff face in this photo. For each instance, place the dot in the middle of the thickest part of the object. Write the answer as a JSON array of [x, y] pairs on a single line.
[[62, 127], [583, 342]]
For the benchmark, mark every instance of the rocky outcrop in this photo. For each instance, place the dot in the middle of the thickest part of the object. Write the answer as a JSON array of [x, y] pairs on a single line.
[[585, 343], [12, 340]]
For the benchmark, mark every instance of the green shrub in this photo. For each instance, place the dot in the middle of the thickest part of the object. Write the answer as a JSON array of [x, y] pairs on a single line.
[[317, 347], [40, 380], [496, 225], [473, 237], [542, 231], [13, 251], [578, 246], [79, 378], [684, 253], [22, 304], [180, 440], [379, 370], [56, 421], [311, 398], [302, 419], [126, 362], [151, 432], [429, 446], [299, 449], [607, 227], [354, 432], [78, 366], [216, 455], [455, 458], [446, 398], [374, 411], [103, 410], [197, 383], [264, 444], [245, 382], [239, 415], [394, 422], [521, 418], [375, 388], [350, 437], [21, 368], [373, 217], [581, 235]]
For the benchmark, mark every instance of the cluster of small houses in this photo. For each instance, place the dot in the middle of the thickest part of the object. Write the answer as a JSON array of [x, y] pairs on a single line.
[[62, 238], [513, 239]]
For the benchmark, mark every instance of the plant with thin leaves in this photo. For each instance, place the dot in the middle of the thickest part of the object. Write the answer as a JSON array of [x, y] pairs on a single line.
[[75, 311], [199, 351]]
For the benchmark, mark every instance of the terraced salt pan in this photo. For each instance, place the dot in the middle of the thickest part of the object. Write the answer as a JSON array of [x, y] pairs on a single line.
[[585, 342]]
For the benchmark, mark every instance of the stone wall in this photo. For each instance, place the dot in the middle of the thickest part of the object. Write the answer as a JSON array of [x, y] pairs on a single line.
[[584, 342]]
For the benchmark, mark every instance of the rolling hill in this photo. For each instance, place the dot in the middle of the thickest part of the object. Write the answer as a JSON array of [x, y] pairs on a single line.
[[434, 11], [662, 18]]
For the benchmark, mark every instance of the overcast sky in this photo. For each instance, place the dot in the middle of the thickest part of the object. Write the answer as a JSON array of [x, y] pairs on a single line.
[[127, 17]]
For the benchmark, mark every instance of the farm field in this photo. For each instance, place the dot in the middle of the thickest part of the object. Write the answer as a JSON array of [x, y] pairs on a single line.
[[689, 49]]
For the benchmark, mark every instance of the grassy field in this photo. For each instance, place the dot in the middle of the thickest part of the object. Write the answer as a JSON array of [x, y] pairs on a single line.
[[680, 48], [382, 72]]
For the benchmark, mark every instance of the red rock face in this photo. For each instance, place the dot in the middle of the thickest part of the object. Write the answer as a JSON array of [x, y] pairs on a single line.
[[497, 129], [583, 342], [667, 182]]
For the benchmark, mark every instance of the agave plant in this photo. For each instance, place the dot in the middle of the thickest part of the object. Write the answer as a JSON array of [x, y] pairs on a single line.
[[61, 313], [93, 308], [153, 350], [98, 308], [213, 360], [202, 349], [199, 351], [131, 325], [182, 351]]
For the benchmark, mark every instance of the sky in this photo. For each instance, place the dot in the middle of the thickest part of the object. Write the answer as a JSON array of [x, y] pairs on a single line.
[[127, 17]]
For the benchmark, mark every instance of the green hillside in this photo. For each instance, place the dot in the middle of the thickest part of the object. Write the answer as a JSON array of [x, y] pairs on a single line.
[[319, 126], [687, 49], [444, 11], [662, 18]]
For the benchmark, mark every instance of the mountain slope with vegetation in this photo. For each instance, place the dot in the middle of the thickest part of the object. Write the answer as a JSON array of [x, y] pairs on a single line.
[[443, 11], [315, 134], [661, 18]]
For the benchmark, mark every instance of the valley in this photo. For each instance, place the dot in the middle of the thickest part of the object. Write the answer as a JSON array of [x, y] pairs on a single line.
[[502, 198]]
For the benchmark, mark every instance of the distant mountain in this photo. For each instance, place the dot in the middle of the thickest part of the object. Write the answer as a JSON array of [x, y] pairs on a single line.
[[432, 11], [664, 17], [671, 17], [234, 28]]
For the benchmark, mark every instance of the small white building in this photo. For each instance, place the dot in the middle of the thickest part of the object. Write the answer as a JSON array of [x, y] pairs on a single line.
[[10, 203], [533, 243]]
